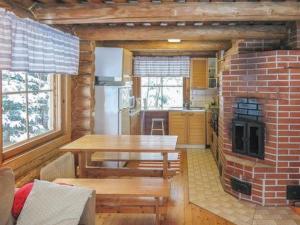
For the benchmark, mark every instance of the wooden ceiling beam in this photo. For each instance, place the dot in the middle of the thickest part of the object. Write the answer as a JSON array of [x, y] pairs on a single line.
[[20, 8], [166, 46], [212, 33], [48, 1], [70, 1], [168, 12], [177, 53]]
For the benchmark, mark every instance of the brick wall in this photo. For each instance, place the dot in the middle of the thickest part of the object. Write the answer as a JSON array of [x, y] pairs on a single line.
[[273, 77], [246, 46], [254, 45]]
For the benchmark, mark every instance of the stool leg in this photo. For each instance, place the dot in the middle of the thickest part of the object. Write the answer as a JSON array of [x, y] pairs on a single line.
[[152, 126]]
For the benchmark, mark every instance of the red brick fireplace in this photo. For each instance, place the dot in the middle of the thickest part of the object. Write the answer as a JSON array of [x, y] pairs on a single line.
[[273, 78]]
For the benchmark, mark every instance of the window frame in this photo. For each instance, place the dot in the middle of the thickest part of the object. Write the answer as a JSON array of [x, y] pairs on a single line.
[[162, 86], [59, 94]]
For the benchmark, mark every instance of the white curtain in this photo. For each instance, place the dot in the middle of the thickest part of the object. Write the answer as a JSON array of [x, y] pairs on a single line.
[[37, 47], [171, 66], [5, 40]]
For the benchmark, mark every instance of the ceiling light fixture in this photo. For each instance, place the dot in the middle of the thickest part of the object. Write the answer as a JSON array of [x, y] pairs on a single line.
[[174, 40]]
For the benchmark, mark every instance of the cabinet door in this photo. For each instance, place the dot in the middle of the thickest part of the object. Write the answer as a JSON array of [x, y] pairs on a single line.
[[196, 131], [178, 126], [199, 71]]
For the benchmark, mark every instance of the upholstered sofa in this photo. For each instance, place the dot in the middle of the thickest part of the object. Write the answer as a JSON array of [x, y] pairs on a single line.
[[7, 189]]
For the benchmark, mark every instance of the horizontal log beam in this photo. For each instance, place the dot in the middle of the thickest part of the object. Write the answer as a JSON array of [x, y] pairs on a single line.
[[166, 46], [212, 33], [149, 12], [17, 8], [177, 53]]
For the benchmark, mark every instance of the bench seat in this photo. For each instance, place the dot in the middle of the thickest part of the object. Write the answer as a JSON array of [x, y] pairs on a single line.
[[128, 195], [113, 156]]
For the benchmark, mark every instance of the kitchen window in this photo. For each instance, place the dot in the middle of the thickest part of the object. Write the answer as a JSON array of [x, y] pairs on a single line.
[[29, 107], [161, 92]]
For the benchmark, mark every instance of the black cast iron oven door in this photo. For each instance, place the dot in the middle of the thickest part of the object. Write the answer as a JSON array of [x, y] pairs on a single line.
[[248, 137]]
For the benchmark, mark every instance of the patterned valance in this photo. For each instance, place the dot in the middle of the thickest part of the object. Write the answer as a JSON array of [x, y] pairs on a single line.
[[27, 45], [5, 40], [178, 66]]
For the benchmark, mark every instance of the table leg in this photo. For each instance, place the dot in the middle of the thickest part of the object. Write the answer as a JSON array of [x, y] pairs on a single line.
[[165, 165], [157, 212], [82, 164]]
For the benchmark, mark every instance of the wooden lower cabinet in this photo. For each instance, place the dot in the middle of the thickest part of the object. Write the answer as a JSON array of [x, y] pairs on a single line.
[[209, 129], [188, 126], [178, 126], [214, 146], [196, 130]]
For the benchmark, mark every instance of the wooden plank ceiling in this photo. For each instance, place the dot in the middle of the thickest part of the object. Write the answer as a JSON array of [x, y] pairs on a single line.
[[143, 26]]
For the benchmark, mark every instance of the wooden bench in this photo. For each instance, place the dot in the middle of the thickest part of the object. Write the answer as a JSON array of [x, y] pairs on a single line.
[[128, 195], [141, 161]]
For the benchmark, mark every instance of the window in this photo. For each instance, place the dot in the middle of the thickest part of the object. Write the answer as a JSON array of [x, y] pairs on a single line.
[[161, 92], [28, 107]]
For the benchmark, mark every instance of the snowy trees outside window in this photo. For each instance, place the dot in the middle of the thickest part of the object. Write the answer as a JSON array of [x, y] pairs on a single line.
[[27, 106], [161, 92]]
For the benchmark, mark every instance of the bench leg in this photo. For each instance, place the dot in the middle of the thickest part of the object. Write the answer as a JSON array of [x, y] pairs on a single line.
[[165, 165], [157, 221], [82, 164], [165, 206]]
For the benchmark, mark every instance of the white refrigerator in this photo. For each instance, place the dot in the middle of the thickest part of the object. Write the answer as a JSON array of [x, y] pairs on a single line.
[[112, 109]]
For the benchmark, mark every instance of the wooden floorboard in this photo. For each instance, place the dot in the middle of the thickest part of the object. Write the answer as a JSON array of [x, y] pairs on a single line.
[[180, 211]]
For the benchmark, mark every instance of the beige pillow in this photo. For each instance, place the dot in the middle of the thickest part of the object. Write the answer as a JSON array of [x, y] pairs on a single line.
[[7, 190]]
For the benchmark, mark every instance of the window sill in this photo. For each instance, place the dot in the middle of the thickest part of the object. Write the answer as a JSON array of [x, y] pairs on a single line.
[[26, 157], [27, 145]]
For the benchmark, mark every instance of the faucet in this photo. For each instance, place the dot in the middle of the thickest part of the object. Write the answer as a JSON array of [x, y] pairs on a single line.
[[187, 105]]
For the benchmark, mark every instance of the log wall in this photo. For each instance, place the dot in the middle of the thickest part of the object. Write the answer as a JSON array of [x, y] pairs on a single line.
[[83, 92]]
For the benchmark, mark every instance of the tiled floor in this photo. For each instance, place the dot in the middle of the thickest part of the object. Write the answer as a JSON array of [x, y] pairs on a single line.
[[205, 190]]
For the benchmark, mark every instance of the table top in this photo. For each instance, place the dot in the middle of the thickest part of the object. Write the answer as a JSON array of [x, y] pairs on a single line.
[[123, 143], [139, 187]]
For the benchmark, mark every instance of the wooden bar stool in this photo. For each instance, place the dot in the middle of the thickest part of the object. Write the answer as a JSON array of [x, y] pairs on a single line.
[[158, 121]]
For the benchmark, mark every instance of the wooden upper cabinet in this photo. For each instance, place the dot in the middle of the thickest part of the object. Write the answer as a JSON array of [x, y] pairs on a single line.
[[196, 130], [199, 73], [178, 126]]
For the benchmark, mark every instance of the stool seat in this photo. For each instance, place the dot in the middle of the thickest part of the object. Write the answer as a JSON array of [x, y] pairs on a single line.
[[158, 119], [161, 128]]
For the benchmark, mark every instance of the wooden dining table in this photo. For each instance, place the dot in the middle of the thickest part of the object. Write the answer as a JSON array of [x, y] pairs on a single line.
[[121, 143]]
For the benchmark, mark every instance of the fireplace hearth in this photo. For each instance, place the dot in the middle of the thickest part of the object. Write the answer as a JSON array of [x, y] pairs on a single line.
[[259, 126]]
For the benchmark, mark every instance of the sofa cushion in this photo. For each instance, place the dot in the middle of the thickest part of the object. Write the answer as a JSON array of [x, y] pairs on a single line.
[[7, 190], [49, 203], [20, 197]]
